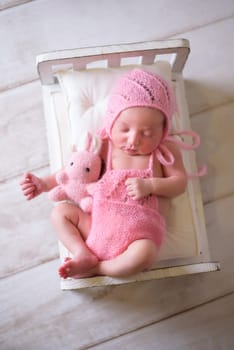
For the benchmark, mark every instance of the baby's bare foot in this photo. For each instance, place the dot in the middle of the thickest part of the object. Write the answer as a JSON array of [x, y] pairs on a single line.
[[78, 265]]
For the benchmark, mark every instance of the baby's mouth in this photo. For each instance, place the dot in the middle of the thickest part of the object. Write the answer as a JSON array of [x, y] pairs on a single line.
[[130, 150]]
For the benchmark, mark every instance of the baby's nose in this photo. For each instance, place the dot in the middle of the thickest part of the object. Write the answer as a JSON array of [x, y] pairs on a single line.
[[134, 139]]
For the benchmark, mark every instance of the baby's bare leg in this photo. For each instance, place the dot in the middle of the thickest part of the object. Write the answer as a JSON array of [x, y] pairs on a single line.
[[72, 226], [139, 256]]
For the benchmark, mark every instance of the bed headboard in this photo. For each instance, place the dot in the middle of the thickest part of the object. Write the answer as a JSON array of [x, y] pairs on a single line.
[[174, 51]]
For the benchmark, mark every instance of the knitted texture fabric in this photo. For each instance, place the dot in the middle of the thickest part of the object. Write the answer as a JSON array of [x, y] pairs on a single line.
[[139, 88], [118, 220]]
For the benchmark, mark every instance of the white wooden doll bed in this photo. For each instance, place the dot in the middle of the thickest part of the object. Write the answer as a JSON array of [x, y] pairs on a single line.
[[75, 86]]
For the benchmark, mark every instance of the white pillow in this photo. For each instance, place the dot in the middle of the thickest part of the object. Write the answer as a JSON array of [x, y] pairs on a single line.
[[86, 94]]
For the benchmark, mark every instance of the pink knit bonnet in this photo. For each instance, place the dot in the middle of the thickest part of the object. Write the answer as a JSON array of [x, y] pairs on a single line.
[[139, 88]]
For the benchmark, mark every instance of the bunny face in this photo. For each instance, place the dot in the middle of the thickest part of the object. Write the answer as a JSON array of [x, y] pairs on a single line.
[[84, 166]]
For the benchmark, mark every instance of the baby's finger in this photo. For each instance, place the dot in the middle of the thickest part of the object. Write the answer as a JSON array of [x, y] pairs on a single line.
[[30, 196], [27, 176], [25, 186], [134, 195], [130, 187], [29, 191], [129, 181], [24, 181], [129, 190]]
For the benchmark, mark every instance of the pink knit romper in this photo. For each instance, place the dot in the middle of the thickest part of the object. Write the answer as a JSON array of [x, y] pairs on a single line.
[[117, 219]]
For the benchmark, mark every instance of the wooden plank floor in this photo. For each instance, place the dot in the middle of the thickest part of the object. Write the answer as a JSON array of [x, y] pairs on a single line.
[[194, 312]]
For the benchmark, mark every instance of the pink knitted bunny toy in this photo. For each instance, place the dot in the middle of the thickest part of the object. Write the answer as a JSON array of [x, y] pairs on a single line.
[[82, 171]]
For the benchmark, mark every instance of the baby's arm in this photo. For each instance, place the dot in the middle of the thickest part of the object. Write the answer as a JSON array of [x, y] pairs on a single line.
[[32, 185], [173, 182]]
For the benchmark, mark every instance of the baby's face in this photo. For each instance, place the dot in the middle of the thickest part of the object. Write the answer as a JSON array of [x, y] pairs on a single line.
[[138, 130]]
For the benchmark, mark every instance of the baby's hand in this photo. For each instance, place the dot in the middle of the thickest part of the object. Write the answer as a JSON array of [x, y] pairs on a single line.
[[137, 188], [31, 186]]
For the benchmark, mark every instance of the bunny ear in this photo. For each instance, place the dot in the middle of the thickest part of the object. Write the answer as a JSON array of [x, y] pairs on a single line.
[[88, 142], [73, 148], [93, 143]]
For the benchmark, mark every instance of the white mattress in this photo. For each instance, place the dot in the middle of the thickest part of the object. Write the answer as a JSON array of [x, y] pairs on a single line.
[[78, 104]]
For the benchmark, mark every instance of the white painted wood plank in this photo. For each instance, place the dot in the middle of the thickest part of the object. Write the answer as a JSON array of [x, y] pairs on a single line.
[[215, 128], [209, 74], [5, 4], [219, 224], [68, 24], [22, 130], [34, 309], [208, 327], [27, 237]]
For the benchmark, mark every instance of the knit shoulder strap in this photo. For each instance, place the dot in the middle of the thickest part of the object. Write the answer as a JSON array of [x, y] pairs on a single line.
[[109, 156]]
